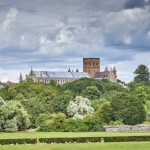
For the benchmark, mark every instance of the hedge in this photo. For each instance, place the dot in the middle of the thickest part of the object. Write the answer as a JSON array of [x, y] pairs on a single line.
[[70, 140], [18, 141], [75, 140], [126, 138]]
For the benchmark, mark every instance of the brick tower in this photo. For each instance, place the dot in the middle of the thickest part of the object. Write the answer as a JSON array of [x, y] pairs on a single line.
[[91, 65]]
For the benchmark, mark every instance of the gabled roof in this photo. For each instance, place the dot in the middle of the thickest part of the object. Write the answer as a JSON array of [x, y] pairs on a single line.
[[56, 74], [99, 75]]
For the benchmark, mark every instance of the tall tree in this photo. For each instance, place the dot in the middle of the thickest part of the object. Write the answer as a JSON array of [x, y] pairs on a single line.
[[142, 74], [128, 108]]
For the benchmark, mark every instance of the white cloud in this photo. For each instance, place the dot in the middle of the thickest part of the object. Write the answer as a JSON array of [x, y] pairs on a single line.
[[31, 32], [10, 18], [128, 40]]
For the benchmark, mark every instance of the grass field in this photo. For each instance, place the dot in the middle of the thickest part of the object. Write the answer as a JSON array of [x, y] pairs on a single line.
[[85, 146], [19, 135]]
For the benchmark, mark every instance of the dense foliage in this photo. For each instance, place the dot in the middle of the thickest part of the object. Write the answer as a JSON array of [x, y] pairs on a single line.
[[82, 105]]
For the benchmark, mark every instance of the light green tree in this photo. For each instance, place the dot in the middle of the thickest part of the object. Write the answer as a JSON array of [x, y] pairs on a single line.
[[79, 108], [13, 116]]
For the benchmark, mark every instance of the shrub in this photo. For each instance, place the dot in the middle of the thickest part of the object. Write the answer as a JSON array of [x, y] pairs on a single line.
[[18, 141], [70, 140], [126, 138]]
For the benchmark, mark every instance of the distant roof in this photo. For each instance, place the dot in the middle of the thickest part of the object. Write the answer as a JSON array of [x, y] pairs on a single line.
[[99, 75], [2, 84], [10, 83], [50, 74]]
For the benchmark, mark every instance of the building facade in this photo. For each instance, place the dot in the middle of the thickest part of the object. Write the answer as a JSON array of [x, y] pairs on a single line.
[[110, 75], [59, 77], [91, 65]]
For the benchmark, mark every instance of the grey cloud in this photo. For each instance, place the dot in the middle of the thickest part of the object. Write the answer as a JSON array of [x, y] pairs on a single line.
[[46, 33], [129, 4]]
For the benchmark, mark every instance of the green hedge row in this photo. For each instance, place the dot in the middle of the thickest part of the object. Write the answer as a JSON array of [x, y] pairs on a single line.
[[75, 140], [126, 138], [70, 140], [17, 141]]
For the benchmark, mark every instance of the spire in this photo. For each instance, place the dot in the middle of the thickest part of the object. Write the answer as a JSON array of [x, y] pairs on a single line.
[[20, 77], [77, 70], [31, 72], [106, 69], [114, 69], [69, 70]]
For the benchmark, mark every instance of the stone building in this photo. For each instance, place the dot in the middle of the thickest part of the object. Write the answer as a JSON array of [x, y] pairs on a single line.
[[91, 65], [110, 75], [59, 77]]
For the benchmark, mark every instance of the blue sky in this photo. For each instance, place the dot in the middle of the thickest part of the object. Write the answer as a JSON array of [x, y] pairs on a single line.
[[57, 34]]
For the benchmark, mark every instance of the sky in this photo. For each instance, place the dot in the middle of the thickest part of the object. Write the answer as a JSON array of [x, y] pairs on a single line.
[[55, 35]]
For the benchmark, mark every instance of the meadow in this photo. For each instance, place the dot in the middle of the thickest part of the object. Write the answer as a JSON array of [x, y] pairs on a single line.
[[29, 134], [83, 146]]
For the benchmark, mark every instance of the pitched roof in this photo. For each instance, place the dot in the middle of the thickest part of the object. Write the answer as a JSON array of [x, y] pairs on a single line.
[[10, 83], [56, 74], [99, 75]]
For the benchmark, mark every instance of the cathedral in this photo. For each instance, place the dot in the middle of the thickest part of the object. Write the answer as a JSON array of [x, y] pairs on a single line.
[[92, 66], [61, 77], [91, 69]]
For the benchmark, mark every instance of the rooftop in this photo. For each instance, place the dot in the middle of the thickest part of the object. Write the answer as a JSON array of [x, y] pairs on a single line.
[[51, 74]]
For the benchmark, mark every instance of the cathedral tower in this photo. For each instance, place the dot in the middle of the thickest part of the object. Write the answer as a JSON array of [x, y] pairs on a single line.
[[91, 65]]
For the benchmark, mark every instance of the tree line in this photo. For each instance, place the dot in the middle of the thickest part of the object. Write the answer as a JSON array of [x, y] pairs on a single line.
[[83, 105]]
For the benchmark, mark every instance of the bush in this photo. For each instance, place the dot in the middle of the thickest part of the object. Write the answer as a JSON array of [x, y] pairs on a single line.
[[75, 125], [11, 125], [94, 123], [126, 138], [70, 140], [17, 141]]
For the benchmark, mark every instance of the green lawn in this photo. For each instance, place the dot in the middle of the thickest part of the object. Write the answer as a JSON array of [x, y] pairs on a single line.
[[64, 134], [85, 146]]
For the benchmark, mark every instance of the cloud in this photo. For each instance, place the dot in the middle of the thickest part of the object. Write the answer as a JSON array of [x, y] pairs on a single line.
[[129, 4], [45, 34], [10, 18]]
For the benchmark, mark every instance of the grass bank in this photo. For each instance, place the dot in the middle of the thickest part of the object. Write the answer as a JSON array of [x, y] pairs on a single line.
[[85, 146], [19, 135]]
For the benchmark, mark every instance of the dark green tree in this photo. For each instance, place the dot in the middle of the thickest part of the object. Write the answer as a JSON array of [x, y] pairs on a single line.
[[142, 74], [105, 111], [60, 102], [91, 92], [128, 108]]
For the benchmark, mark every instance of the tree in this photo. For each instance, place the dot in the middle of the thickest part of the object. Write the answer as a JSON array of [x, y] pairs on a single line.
[[141, 94], [105, 111], [91, 92], [142, 74], [80, 108], [128, 108], [60, 102], [13, 116], [79, 85]]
